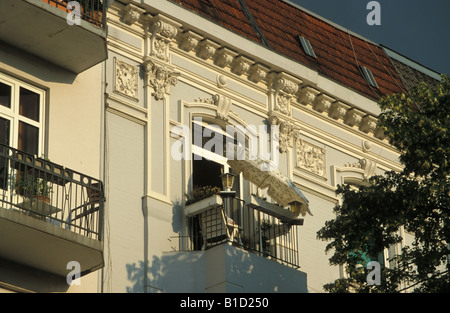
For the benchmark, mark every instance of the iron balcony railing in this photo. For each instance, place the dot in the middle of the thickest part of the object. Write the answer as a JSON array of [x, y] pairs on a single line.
[[92, 11], [51, 193], [244, 227]]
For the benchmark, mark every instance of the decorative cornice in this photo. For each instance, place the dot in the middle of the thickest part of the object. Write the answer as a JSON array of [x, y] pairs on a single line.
[[241, 65], [307, 95], [189, 41], [282, 93], [223, 57], [257, 72], [206, 49], [338, 110], [322, 103], [131, 14], [285, 87], [163, 31]]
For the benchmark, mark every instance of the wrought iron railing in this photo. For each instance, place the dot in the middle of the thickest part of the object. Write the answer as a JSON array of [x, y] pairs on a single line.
[[92, 11], [51, 193], [244, 227]]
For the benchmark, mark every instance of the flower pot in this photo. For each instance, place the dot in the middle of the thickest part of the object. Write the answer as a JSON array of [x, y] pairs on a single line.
[[41, 198]]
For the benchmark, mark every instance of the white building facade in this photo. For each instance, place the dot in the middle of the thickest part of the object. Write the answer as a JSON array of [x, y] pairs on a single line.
[[136, 112], [171, 69]]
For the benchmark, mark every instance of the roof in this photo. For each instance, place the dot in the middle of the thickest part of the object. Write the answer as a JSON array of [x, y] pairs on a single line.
[[412, 72], [276, 25]]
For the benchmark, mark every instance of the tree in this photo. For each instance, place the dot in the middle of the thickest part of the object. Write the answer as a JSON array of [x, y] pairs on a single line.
[[416, 198]]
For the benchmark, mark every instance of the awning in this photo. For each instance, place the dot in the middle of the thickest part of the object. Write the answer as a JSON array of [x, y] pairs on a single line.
[[280, 187]]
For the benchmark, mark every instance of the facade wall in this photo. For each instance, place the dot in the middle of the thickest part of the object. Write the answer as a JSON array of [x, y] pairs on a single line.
[[146, 186]]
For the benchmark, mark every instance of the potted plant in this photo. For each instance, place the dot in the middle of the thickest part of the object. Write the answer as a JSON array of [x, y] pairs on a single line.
[[201, 192], [33, 188]]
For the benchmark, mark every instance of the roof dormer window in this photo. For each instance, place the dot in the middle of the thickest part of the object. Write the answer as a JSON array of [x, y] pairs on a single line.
[[368, 76], [307, 46]]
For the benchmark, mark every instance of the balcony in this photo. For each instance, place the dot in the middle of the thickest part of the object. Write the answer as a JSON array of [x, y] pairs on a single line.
[[255, 228], [41, 28], [49, 214]]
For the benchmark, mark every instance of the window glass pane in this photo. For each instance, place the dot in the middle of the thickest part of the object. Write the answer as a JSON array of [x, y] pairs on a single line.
[[28, 138], [4, 131], [5, 95], [29, 104], [4, 139]]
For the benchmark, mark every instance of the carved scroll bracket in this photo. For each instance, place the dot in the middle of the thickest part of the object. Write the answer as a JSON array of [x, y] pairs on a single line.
[[285, 87], [163, 31]]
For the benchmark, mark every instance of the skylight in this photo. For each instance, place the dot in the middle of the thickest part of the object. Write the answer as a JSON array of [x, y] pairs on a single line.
[[368, 76], [307, 46]]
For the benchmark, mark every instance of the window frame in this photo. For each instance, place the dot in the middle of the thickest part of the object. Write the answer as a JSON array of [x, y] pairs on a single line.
[[12, 114], [307, 47], [368, 76]]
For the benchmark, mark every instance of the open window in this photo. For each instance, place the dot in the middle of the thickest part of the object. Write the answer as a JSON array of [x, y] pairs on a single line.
[[368, 76]]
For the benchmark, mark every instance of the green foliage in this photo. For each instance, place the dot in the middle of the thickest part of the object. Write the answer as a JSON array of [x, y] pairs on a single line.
[[201, 192], [416, 198]]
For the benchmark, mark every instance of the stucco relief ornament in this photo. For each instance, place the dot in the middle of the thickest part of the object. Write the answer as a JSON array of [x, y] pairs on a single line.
[[287, 132], [310, 157], [163, 31], [285, 88], [126, 81], [160, 78]]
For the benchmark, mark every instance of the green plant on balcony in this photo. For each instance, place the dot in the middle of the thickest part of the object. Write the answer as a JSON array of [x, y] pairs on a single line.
[[33, 188], [201, 192]]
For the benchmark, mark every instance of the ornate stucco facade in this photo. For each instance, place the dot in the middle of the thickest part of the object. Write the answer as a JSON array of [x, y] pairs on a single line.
[[171, 72]]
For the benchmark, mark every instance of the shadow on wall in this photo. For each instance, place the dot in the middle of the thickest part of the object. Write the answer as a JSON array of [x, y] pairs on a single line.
[[172, 272]]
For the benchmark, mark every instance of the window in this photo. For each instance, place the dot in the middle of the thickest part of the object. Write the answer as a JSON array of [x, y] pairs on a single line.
[[307, 46], [21, 115], [368, 76]]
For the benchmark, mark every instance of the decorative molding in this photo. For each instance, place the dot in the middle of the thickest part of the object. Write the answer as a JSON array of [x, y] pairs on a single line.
[[160, 78], [126, 79], [205, 100], [285, 87], [241, 65], [257, 73], [163, 31], [288, 131], [221, 81], [189, 41], [322, 103], [310, 157], [369, 167], [368, 124], [223, 106], [223, 57], [131, 14], [307, 95], [206, 49], [353, 117], [338, 110], [366, 145]]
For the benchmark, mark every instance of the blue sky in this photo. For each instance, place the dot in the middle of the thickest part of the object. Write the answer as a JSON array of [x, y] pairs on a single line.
[[418, 29]]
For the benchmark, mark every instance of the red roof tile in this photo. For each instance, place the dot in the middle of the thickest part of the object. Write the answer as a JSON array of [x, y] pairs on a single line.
[[338, 52]]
